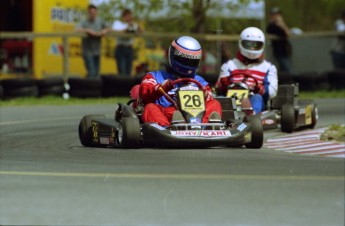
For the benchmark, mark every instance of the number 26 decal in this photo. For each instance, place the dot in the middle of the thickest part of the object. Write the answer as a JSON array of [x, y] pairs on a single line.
[[192, 100]]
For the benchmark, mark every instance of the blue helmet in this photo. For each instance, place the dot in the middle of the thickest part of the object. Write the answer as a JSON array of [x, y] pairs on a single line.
[[184, 56]]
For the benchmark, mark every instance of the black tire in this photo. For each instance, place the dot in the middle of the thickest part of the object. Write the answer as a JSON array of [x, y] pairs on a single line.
[[17, 83], [83, 88], [117, 86], [85, 83], [117, 115], [85, 129], [314, 117], [1, 92], [257, 132], [50, 82], [57, 90], [85, 93], [336, 79], [27, 91], [288, 118], [129, 133]]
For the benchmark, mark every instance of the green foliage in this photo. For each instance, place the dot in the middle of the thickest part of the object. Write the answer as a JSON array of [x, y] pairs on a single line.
[[181, 16], [334, 133], [190, 15]]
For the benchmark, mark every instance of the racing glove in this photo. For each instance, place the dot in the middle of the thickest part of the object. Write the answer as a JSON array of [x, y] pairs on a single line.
[[167, 85], [207, 93]]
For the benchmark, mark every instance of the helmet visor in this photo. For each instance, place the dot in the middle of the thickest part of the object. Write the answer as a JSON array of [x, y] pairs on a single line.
[[252, 45], [186, 61]]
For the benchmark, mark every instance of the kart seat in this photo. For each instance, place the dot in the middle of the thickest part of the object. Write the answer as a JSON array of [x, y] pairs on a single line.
[[287, 94]]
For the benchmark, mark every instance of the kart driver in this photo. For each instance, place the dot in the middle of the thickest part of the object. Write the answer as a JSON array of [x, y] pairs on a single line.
[[184, 57], [251, 68]]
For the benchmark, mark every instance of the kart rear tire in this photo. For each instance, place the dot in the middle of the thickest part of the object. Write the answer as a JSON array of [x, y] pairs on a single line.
[[287, 121], [257, 132], [129, 135], [85, 129]]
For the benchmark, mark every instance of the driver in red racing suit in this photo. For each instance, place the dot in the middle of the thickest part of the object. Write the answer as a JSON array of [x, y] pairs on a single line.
[[184, 58]]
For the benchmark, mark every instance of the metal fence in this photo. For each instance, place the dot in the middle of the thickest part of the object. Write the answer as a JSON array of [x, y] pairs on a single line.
[[310, 50]]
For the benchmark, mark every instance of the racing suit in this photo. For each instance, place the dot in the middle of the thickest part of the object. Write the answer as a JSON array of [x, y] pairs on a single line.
[[261, 72], [158, 109]]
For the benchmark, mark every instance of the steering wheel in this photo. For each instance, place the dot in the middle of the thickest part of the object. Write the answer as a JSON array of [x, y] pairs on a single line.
[[186, 80], [243, 83], [180, 80]]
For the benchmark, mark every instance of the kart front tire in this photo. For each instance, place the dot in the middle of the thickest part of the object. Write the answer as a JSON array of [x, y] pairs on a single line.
[[257, 132], [287, 122], [314, 117], [85, 129], [129, 133]]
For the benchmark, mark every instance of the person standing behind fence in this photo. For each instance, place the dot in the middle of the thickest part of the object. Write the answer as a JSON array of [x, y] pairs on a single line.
[[124, 53], [338, 48], [282, 49], [95, 28]]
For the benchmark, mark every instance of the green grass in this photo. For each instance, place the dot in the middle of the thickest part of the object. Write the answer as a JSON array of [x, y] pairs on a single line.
[[334, 133], [322, 94], [55, 100]]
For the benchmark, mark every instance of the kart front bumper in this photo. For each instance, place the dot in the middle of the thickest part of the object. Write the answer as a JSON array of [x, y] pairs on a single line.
[[154, 135]]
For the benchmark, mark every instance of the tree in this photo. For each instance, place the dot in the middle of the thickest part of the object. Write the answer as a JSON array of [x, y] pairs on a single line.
[[181, 16], [192, 15]]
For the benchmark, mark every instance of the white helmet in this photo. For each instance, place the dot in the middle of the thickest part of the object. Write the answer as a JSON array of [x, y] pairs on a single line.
[[252, 43]]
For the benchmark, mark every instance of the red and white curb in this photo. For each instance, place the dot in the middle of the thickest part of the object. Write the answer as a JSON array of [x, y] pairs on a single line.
[[307, 143]]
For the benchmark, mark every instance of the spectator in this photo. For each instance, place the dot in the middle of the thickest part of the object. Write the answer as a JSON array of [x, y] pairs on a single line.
[[225, 53], [338, 48], [184, 58], [282, 49], [95, 28], [250, 68], [124, 53]]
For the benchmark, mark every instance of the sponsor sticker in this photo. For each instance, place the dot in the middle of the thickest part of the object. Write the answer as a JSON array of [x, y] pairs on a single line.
[[104, 140], [195, 120], [267, 121], [189, 87], [248, 137], [201, 133], [95, 132], [308, 113], [157, 126], [242, 127]]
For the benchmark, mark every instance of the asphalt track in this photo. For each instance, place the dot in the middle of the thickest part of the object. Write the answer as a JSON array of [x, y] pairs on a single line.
[[48, 178]]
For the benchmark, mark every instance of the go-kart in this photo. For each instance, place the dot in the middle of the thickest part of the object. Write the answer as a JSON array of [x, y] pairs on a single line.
[[285, 110], [126, 129]]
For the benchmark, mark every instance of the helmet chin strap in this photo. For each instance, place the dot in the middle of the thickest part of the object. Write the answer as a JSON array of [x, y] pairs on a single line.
[[171, 71], [175, 73], [247, 61]]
